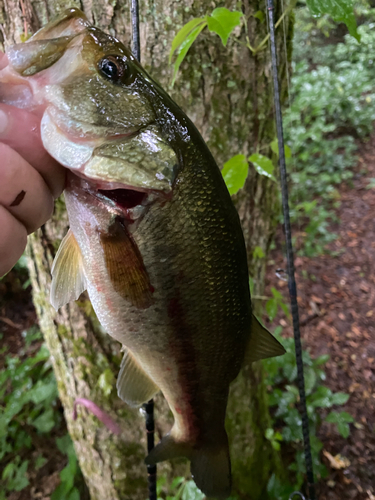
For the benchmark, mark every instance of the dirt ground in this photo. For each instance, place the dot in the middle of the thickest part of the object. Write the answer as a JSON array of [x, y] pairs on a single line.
[[337, 302]]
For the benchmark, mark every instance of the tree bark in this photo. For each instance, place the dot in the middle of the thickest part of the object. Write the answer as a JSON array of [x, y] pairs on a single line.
[[228, 94]]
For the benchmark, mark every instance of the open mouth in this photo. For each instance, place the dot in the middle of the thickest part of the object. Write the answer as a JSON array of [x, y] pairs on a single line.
[[125, 199]]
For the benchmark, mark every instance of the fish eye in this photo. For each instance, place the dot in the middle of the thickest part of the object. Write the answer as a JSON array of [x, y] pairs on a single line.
[[115, 68]]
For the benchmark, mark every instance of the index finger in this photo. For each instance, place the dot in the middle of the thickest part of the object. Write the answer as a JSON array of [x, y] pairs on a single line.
[[20, 130]]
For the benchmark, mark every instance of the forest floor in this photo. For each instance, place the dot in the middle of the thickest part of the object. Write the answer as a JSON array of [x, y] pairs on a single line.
[[336, 296], [337, 304]]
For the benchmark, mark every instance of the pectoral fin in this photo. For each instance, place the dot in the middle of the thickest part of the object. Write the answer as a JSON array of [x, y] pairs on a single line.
[[262, 343], [68, 278], [134, 386], [125, 266]]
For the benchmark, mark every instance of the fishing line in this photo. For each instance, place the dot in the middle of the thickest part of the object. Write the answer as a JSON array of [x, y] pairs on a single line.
[[290, 260], [136, 46], [148, 408]]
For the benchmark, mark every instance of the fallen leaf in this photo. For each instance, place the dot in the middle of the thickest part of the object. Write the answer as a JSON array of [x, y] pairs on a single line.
[[317, 300], [338, 461]]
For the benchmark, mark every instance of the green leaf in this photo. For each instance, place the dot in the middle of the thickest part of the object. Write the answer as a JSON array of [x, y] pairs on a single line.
[[191, 492], [275, 445], [9, 470], [258, 253], [176, 482], [185, 46], [73, 495], [277, 294], [271, 308], [42, 391], [269, 433], [106, 381], [341, 11], [45, 422], [222, 22], [275, 148], [183, 33], [321, 360], [39, 462], [260, 15], [343, 416], [235, 172], [343, 429], [263, 165], [340, 398], [20, 479]]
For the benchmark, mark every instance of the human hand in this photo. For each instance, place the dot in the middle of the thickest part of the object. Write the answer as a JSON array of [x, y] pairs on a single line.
[[29, 181]]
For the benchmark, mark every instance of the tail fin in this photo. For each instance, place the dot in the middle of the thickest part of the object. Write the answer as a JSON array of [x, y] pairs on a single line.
[[168, 448], [210, 466]]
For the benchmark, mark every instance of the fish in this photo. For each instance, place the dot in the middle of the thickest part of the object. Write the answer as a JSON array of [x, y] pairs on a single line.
[[154, 236]]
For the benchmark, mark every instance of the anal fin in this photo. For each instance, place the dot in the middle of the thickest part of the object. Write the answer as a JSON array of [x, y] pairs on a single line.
[[262, 343], [68, 278], [134, 386]]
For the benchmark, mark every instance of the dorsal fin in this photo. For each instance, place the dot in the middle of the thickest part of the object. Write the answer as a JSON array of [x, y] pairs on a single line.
[[68, 278], [262, 343], [134, 386]]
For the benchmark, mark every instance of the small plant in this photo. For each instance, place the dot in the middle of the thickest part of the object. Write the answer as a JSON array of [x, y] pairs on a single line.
[[180, 489], [286, 431], [67, 490], [332, 104], [28, 412]]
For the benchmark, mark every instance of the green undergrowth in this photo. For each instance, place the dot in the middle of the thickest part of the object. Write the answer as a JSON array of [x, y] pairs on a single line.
[[283, 399], [31, 422], [332, 109]]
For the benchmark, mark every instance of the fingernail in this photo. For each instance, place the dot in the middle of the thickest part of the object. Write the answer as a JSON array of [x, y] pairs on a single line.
[[3, 122]]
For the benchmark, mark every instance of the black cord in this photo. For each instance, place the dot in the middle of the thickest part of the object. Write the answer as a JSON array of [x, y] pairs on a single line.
[[290, 259], [150, 428], [136, 45]]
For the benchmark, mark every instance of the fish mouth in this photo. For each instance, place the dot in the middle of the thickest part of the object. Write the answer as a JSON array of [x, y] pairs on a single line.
[[125, 199], [130, 203]]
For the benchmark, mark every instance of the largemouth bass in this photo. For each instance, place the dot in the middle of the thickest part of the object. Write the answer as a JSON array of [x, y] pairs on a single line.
[[154, 236]]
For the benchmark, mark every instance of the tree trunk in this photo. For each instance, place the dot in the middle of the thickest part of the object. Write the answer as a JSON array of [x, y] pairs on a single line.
[[228, 94]]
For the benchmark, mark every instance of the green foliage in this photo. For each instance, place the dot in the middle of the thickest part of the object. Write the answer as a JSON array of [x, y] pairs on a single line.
[[235, 172], [342, 420], [179, 489], [29, 412], [274, 303], [275, 148], [66, 489], [221, 21], [281, 377], [340, 11], [263, 165], [331, 104]]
